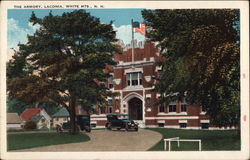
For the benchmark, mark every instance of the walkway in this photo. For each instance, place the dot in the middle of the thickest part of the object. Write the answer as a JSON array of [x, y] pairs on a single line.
[[105, 140]]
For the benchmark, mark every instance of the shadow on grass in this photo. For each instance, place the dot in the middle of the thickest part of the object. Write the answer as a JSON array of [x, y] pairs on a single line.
[[212, 140], [30, 140]]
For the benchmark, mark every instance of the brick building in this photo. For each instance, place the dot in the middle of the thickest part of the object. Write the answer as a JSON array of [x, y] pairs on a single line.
[[132, 81]]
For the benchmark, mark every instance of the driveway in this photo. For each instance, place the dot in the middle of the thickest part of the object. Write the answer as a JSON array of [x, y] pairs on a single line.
[[105, 140]]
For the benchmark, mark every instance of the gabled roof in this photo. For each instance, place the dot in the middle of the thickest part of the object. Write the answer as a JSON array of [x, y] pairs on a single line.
[[36, 118], [63, 112], [29, 112], [13, 118]]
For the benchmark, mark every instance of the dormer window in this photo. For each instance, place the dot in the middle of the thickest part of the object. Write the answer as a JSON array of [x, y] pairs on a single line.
[[134, 79]]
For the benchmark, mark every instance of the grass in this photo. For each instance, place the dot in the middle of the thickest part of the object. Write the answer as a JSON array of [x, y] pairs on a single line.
[[30, 140], [211, 139]]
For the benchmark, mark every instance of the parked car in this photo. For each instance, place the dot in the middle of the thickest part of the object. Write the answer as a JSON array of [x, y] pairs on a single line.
[[120, 121], [83, 123]]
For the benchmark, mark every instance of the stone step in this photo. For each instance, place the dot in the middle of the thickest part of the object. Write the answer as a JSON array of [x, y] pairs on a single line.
[[141, 123]]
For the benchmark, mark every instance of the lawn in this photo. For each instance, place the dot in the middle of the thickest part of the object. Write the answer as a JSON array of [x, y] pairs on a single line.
[[30, 140], [211, 139]]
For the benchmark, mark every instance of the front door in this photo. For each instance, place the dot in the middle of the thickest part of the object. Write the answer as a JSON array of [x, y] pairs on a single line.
[[135, 109]]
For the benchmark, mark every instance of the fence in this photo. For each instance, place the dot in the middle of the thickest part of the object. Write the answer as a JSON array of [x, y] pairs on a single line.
[[177, 139]]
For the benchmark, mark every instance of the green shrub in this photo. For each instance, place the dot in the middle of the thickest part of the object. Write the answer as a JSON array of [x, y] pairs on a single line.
[[30, 125]]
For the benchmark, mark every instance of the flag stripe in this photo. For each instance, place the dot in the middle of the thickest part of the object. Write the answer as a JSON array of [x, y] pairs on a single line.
[[141, 30]]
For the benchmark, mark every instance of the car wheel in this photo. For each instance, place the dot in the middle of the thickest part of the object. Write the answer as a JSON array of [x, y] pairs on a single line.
[[118, 128], [108, 126], [58, 129], [87, 129], [78, 129], [126, 127], [136, 129]]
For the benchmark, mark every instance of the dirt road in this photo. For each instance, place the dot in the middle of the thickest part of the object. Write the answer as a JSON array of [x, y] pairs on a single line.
[[104, 140]]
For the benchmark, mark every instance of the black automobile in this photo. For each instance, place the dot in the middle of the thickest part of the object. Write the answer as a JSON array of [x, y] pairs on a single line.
[[120, 121], [83, 123]]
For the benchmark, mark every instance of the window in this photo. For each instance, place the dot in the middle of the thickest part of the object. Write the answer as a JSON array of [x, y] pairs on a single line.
[[183, 108], [204, 125], [57, 119], [103, 110], [111, 81], [117, 102], [183, 125], [161, 124], [172, 108], [148, 100], [93, 125], [64, 119], [110, 102], [203, 109], [160, 74], [43, 120], [110, 109], [134, 79], [161, 108]]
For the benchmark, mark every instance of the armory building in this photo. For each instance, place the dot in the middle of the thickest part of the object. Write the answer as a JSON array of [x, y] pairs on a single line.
[[132, 81]]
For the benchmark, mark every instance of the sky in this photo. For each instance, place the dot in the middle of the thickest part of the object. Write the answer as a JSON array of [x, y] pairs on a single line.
[[19, 25]]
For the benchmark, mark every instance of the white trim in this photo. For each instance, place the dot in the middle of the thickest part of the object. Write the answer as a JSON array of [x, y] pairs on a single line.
[[132, 95], [149, 109], [130, 89], [99, 119], [182, 121], [176, 117], [117, 81], [117, 97], [183, 113], [161, 121], [93, 122], [203, 113], [98, 115], [152, 59], [148, 95], [133, 88], [117, 111], [171, 113], [204, 121], [147, 78], [132, 70], [137, 63], [157, 68], [158, 95], [157, 53]]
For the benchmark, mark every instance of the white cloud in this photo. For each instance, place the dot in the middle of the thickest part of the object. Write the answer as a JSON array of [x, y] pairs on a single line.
[[17, 34], [124, 32]]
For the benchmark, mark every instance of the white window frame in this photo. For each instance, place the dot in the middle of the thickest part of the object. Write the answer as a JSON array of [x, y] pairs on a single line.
[[129, 78]]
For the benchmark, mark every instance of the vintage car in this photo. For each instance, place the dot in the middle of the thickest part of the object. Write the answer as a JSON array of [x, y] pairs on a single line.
[[83, 123], [120, 121]]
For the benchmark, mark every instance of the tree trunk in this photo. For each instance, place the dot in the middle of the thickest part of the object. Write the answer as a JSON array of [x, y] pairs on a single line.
[[72, 105]]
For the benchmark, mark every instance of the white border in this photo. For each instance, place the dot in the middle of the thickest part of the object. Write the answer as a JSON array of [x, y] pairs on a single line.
[[243, 154]]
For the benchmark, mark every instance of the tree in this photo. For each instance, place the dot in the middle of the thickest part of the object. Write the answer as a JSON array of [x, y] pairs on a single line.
[[202, 59], [64, 61]]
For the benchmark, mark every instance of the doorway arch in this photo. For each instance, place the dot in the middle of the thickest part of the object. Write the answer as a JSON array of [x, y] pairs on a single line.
[[135, 109]]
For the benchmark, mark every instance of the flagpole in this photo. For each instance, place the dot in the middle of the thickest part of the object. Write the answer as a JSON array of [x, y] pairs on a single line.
[[132, 41]]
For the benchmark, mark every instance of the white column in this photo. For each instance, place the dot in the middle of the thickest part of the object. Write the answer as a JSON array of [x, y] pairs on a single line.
[[143, 106]]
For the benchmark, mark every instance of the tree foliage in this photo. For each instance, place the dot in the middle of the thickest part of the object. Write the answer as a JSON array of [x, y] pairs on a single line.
[[202, 58], [63, 61]]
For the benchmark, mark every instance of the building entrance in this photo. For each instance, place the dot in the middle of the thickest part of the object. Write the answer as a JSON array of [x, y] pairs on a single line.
[[135, 109]]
